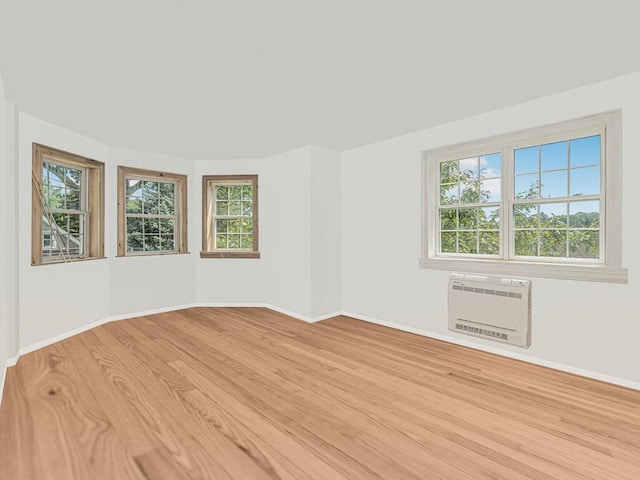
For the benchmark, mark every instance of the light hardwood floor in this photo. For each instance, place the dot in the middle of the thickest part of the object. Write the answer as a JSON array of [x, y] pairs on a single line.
[[247, 393]]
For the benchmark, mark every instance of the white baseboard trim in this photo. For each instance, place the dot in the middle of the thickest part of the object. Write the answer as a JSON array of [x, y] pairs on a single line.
[[504, 353], [284, 311]]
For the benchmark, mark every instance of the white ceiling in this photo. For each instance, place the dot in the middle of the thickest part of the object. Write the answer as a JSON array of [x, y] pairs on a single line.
[[251, 78]]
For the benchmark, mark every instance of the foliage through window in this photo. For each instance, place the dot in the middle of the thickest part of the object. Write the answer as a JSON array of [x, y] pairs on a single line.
[[535, 196], [68, 206], [230, 227], [152, 212]]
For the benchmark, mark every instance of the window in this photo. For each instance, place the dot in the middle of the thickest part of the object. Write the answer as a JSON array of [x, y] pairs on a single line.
[[152, 212], [68, 207], [230, 216], [543, 202]]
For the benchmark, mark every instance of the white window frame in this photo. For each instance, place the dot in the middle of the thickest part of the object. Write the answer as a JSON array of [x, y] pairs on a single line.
[[92, 200], [209, 216], [608, 268], [180, 209]]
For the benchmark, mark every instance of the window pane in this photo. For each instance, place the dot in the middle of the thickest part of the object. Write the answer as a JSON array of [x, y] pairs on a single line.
[[54, 196], [133, 187], [150, 205], [553, 215], [73, 178], [167, 242], [247, 208], [135, 225], [56, 175], [167, 226], [526, 160], [490, 190], [584, 214], [247, 241], [134, 205], [235, 192], [585, 181], [525, 215], [134, 242], [246, 225], [222, 208], [468, 218], [489, 218], [166, 206], [150, 198], [234, 226], [448, 219], [448, 242], [553, 243], [554, 156], [470, 191], [469, 168], [151, 243], [527, 186], [167, 189], [449, 172], [554, 184], [467, 242], [585, 151], [222, 192], [151, 225], [526, 242], [491, 165], [489, 243], [247, 192], [73, 199], [235, 207], [222, 225], [221, 240], [234, 241], [584, 243], [449, 194]]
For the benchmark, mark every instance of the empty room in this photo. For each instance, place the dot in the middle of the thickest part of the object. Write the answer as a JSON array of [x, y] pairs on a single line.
[[319, 240]]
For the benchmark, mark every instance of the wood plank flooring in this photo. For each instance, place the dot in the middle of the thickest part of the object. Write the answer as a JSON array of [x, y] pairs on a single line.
[[247, 393]]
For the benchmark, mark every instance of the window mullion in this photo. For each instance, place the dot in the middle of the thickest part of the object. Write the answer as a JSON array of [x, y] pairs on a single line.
[[506, 217]]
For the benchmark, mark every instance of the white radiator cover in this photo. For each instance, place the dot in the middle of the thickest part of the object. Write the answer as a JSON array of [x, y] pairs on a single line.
[[489, 307]]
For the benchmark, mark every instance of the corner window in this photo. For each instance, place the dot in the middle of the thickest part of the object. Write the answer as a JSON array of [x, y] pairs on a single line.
[[152, 212], [68, 207], [230, 216], [541, 202]]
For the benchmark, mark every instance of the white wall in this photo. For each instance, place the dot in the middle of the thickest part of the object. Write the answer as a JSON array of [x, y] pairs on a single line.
[[584, 325], [138, 284], [5, 254], [299, 220], [56, 298], [281, 276], [326, 233]]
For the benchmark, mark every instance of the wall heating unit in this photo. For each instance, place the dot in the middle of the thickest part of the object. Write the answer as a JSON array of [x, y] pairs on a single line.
[[491, 307]]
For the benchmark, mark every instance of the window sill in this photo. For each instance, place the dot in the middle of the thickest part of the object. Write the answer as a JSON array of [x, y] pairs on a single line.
[[74, 260], [230, 254], [588, 273], [152, 254]]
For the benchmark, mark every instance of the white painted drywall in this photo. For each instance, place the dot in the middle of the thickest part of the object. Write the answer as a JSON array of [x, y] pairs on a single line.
[[586, 325], [5, 254], [139, 284], [61, 297], [326, 232], [281, 276]]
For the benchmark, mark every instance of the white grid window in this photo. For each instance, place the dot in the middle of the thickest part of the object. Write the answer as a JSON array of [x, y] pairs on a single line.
[[151, 217], [152, 212], [230, 216], [542, 202], [63, 211]]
